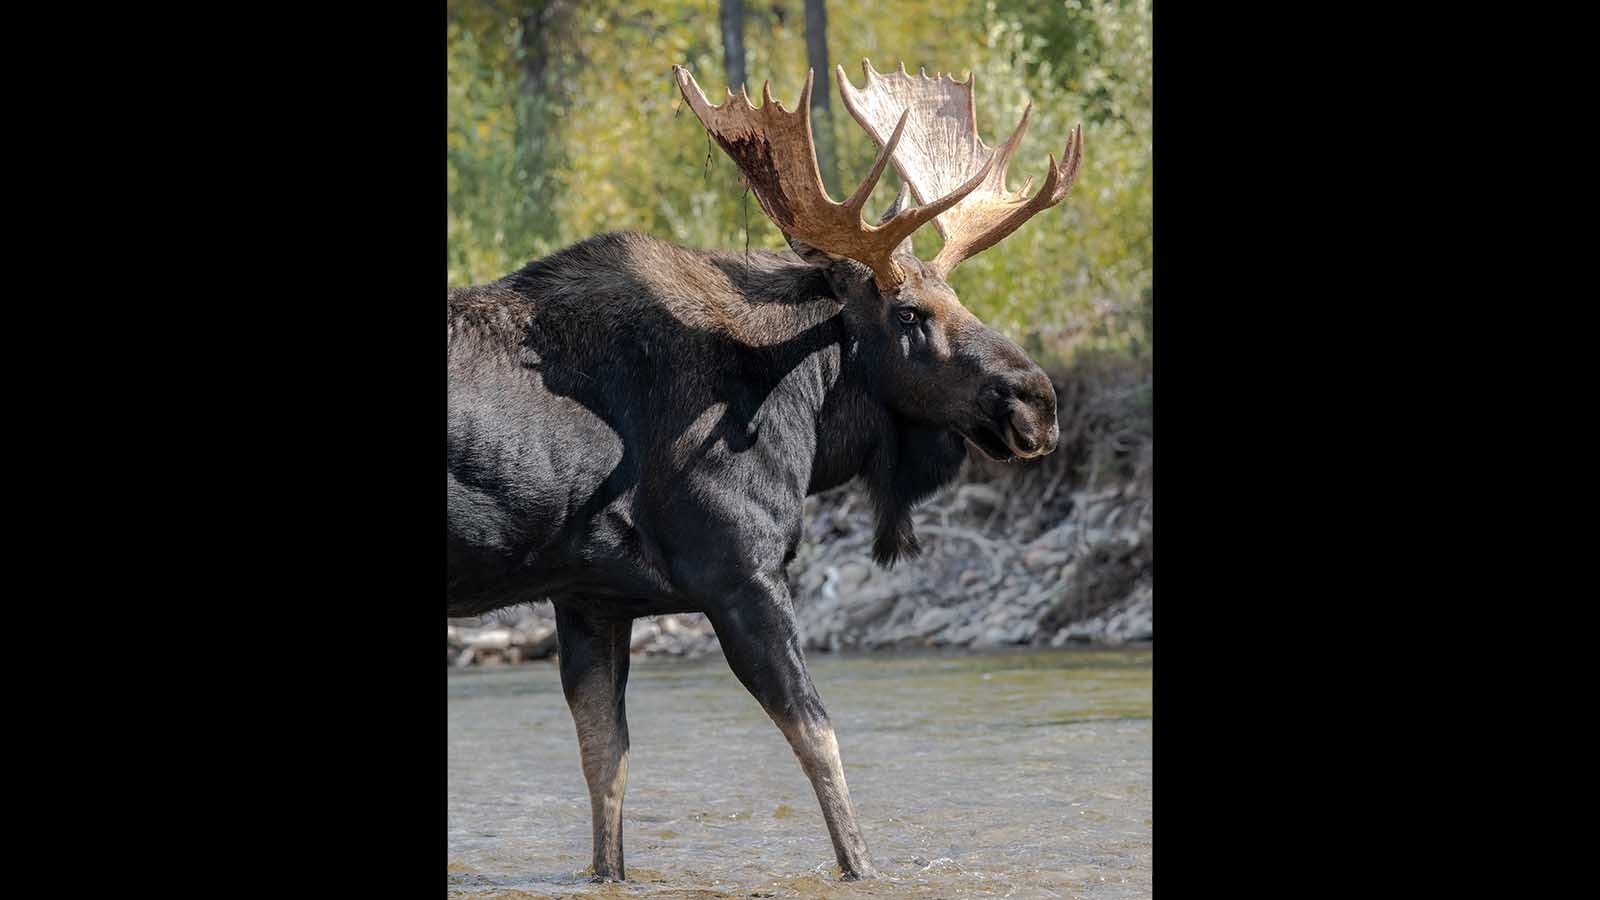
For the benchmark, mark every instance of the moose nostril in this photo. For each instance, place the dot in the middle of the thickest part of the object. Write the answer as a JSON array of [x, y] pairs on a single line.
[[1022, 431]]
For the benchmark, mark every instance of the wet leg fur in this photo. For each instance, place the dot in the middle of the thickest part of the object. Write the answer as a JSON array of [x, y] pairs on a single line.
[[762, 646], [594, 676], [818, 751]]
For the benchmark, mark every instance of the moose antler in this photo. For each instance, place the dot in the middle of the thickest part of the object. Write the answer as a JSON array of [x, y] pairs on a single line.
[[944, 148], [774, 150]]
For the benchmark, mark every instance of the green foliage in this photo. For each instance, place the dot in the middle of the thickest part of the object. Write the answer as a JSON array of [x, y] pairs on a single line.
[[603, 143]]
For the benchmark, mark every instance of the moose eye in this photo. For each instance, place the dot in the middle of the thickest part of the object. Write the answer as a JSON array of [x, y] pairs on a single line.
[[908, 316]]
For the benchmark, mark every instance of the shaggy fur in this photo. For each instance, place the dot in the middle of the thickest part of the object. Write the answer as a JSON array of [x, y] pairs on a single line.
[[634, 427]]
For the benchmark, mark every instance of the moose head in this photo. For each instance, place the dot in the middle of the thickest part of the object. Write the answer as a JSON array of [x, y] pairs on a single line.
[[937, 364]]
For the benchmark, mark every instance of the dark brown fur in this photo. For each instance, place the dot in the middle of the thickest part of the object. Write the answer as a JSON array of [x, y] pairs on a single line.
[[634, 427]]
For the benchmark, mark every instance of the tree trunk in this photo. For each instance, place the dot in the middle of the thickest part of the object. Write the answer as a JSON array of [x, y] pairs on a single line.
[[541, 31], [733, 43], [538, 150], [821, 107]]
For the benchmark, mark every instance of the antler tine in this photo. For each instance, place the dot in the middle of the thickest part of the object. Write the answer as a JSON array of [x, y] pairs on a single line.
[[859, 198], [1010, 147], [946, 147], [774, 150], [999, 217], [804, 103]]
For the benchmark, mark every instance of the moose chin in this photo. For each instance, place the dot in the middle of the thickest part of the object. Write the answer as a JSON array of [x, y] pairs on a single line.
[[634, 426]]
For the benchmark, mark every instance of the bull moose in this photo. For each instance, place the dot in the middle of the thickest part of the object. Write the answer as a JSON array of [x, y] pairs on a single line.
[[634, 426]]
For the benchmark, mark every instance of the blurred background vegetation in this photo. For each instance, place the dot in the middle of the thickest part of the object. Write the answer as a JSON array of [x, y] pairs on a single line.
[[564, 122]]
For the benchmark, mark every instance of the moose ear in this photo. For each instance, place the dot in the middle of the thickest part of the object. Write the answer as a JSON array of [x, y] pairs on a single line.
[[901, 201], [822, 259]]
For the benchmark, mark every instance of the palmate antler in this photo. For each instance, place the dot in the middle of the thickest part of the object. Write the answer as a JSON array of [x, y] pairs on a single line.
[[774, 150], [943, 149]]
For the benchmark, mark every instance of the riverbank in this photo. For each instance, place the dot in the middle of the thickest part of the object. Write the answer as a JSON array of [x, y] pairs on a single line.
[[1048, 553]]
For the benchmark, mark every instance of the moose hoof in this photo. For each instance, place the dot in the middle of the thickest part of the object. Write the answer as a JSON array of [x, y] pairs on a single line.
[[606, 879], [865, 874]]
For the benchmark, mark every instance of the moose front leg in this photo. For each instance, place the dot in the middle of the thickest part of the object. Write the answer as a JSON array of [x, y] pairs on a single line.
[[594, 676], [757, 630]]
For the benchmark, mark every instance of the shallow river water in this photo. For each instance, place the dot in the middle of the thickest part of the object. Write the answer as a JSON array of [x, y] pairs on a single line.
[[1022, 774]]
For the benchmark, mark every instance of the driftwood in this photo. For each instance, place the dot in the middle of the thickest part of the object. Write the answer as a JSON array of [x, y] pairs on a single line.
[[470, 644]]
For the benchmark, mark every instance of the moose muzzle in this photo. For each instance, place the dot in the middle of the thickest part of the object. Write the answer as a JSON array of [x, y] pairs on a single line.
[[1020, 410], [1029, 424]]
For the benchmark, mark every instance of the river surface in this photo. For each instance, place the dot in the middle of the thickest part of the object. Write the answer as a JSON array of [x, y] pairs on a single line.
[[1023, 774]]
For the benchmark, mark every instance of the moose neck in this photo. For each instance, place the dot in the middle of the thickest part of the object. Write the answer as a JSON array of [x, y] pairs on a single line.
[[801, 358]]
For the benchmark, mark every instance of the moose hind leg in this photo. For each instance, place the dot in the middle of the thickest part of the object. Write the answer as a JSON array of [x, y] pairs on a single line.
[[594, 676], [758, 636]]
